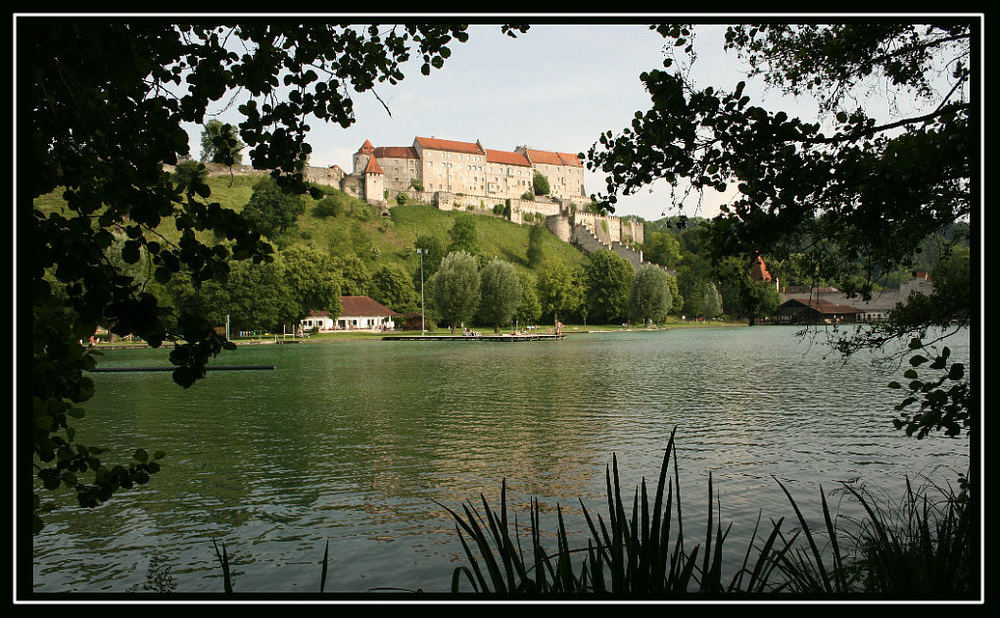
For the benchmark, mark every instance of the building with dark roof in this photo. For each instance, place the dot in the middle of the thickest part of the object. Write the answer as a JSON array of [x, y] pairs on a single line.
[[815, 311], [874, 309]]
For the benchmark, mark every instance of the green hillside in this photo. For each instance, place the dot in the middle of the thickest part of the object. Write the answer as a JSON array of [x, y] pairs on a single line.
[[373, 238], [378, 239]]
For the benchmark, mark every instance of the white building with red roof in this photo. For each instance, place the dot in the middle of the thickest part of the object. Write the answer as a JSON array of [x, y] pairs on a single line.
[[357, 313], [467, 168]]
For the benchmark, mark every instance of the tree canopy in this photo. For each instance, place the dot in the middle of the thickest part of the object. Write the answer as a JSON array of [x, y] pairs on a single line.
[[462, 236], [650, 298], [393, 287], [103, 105], [455, 288], [802, 179], [608, 280], [844, 191], [540, 183], [272, 211], [500, 293], [220, 143], [560, 289]]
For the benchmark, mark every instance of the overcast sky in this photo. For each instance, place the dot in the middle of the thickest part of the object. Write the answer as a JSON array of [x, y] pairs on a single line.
[[556, 87]]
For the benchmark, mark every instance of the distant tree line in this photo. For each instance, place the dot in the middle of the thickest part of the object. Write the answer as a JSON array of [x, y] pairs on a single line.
[[462, 286]]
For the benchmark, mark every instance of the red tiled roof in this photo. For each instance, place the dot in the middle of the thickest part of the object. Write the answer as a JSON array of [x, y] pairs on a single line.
[[431, 143], [396, 152], [362, 306], [554, 158], [373, 167], [570, 159], [758, 272], [509, 158], [366, 148]]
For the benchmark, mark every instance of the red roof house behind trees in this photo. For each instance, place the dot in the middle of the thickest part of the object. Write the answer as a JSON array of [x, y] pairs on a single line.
[[758, 272]]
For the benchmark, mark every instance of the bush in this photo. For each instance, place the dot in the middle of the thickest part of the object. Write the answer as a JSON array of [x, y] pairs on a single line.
[[190, 174], [327, 207], [401, 198], [528, 196], [540, 184]]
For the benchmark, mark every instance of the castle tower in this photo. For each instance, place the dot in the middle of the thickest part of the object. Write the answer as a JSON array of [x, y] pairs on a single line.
[[374, 181], [362, 156]]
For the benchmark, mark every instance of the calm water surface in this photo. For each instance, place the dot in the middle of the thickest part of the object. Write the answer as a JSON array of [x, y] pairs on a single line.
[[353, 443]]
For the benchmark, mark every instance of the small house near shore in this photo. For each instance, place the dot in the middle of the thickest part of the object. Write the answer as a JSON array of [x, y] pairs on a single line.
[[357, 313], [875, 309], [815, 311]]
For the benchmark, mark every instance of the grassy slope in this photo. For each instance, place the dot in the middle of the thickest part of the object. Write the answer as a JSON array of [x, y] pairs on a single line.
[[391, 238]]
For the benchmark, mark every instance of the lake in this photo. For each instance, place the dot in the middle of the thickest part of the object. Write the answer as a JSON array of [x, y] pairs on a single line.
[[355, 443]]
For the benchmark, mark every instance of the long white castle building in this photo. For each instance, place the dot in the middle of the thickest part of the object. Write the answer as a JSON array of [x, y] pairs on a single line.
[[462, 168]]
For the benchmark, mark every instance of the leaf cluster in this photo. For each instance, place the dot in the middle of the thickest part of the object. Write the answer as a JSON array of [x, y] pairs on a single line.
[[101, 125], [945, 401], [796, 181]]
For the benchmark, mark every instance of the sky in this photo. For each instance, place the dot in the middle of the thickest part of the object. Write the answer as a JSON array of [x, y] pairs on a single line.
[[556, 87]]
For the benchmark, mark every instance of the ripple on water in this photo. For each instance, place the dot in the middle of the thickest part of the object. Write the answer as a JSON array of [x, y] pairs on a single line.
[[356, 445]]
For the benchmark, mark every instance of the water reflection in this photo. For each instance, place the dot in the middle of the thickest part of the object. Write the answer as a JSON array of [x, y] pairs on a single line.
[[353, 443]]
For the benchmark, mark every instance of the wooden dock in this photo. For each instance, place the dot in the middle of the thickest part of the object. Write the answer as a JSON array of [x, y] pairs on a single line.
[[173, 367], [505, 338]]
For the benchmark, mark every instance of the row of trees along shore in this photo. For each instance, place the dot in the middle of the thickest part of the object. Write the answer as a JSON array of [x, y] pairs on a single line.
[[823, 194], [463, 285], [680, 280]]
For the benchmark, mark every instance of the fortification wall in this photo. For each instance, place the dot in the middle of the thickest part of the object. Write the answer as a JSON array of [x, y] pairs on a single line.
[[584, 238], [633, 256], [353, 186], [331, 176], [560, 226], [527, 208], [217, 169]]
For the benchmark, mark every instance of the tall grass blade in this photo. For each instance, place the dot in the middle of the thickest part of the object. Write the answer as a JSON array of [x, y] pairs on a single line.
[[455, 585], [227, 580], [708, 535], [824, 579], [838, 564], [658, 500], [322, 577], [479, 536]]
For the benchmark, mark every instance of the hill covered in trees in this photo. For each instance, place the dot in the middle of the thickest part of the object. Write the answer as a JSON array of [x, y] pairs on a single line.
[[335, 244]]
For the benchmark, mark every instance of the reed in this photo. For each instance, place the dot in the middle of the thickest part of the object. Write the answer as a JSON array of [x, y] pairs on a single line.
[[919, 548], [922, 546], [642, 554]]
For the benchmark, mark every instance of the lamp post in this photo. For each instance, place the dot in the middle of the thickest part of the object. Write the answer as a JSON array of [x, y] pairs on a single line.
[[422, 251]]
